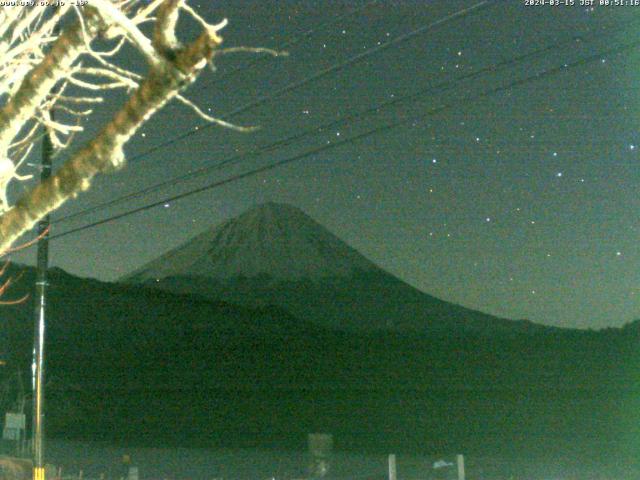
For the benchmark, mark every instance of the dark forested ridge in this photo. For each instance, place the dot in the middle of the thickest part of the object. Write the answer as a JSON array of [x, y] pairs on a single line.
[[136, 364]]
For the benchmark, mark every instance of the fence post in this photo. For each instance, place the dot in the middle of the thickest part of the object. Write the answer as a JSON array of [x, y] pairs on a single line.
[[320, 447], [133, 474], [460, 462], [393, 474]]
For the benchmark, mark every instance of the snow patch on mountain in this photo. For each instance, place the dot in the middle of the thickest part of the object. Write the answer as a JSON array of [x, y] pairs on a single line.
[[272, 239]]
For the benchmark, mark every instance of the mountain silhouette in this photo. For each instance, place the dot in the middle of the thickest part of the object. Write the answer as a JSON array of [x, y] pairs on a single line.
[[275, 254], [133, 363], [262, 355]]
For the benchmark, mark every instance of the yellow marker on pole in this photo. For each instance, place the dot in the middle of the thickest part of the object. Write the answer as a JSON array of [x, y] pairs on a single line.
[[38, 473]]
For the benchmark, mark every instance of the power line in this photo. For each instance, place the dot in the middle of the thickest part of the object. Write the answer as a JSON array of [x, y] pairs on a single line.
[[321, 74], [318, 129], [378, 130], [302, 36], [315, 130]]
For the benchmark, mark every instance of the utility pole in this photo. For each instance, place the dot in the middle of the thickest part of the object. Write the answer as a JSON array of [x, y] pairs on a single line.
[[42, 266], [39, 324]]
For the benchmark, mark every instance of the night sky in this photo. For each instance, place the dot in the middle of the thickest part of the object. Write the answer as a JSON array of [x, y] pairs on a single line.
[[523, 203]]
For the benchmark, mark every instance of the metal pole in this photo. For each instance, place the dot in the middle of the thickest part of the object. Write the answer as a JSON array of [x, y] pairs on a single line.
[[39, 324], [393, 472], [460, 461]]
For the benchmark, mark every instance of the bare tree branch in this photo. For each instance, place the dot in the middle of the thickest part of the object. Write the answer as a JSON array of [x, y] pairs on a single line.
[[105, 152], [115, 17], [40, 81]]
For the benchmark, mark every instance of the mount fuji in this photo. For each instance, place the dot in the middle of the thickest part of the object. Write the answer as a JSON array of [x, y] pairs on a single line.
[[275, 254], [272, 239], [268, 327]]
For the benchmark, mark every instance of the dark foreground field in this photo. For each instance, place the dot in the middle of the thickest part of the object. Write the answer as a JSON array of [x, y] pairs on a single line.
[[95, 459]]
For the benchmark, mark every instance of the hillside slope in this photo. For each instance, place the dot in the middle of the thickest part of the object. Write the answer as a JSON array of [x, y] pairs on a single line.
[[275, 254]]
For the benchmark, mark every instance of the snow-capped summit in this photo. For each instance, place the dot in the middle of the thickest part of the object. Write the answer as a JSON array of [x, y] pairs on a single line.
[[274, 239], [275, 254]]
